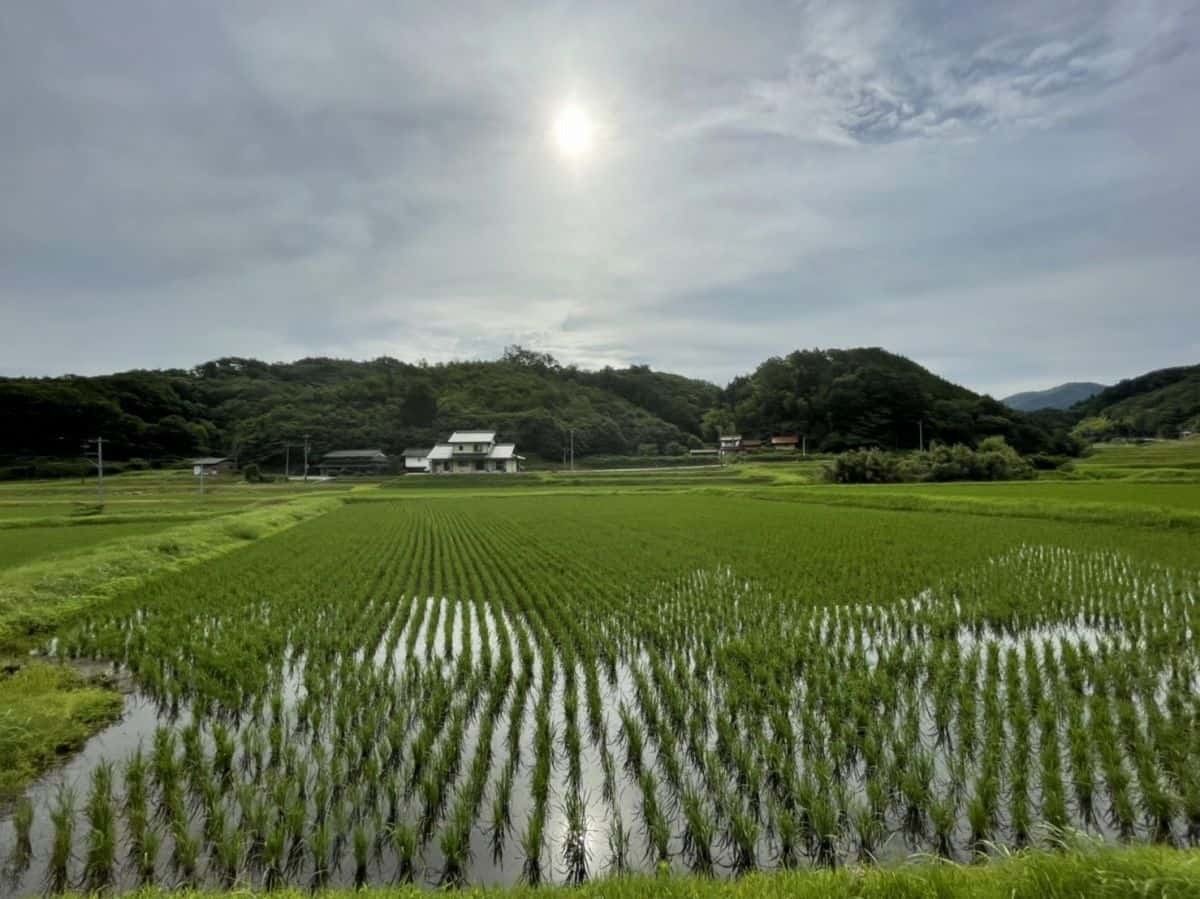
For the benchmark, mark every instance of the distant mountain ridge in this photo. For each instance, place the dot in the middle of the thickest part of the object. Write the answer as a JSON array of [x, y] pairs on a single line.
[[1064, 396]]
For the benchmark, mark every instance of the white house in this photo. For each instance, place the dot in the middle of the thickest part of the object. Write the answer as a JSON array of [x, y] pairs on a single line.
[[467, 452], [416, 460]]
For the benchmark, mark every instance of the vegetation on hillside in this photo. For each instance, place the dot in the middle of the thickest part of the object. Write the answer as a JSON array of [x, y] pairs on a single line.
[[1162, 403], [250, 410], [846, 399]]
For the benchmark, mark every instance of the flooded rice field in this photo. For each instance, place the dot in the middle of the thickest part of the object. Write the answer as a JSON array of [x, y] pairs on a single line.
[[707, 724]]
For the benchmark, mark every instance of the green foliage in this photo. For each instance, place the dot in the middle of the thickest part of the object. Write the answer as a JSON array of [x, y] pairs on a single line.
[[847, 399], [248, 409], [994, 460], [46, 710], [1162, 403]]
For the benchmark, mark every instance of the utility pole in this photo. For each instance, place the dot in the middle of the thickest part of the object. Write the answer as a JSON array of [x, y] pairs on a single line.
[[306, 458], [99, 463], [921, 433], [804, 445], [572, 449]]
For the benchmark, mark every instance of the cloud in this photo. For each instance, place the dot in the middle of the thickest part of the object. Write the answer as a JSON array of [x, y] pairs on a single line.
[[283, 179]]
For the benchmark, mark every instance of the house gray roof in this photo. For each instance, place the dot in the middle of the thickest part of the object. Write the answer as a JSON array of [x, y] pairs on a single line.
[[503, 451], [472, 437], [442, 451], [356, 454], [414, 453], [210, 460]]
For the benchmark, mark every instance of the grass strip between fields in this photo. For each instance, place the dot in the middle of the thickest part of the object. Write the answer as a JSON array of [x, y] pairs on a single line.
[[1097, 873], [38, 596], [1128, 514]]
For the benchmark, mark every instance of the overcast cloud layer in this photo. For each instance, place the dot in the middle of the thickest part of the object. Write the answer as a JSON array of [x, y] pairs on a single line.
[[1006, 193]]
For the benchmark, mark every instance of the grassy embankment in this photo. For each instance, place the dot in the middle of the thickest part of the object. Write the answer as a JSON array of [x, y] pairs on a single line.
[[51, 570], [1144, 871]]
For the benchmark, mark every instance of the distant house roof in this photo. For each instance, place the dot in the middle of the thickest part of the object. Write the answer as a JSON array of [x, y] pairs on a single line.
[[441, 451], [412, 453], [472, 437], [210, 460], [725, 437], [751, 441], [785, 440], [503, 451], [356, 454]]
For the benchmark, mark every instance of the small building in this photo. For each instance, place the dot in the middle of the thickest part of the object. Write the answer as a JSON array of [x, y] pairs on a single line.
[[751, 443], [731, 443], [416, 460], [364, 461], [471, 452], [210, 466], [785, 441]]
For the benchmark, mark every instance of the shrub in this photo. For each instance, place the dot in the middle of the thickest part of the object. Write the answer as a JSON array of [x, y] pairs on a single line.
[[995, 460]]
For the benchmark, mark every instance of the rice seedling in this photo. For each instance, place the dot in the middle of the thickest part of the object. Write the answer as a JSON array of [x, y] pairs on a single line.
[[404, 843], [531, 846], [22, 848], [62, 815], [574, 841], [101, 855]]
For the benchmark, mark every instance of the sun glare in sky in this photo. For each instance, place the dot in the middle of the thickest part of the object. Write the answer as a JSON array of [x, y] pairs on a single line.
[[574, 133]]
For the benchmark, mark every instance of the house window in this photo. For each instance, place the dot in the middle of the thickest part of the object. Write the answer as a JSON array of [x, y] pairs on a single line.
[[479, 465]]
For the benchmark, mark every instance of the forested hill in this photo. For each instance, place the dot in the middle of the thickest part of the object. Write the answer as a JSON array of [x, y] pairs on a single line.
[[251, 409], [1160, 403], [869, 397], [1064, 396]]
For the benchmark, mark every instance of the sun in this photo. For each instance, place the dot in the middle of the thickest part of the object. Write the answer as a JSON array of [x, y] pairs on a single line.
[[574, 133]]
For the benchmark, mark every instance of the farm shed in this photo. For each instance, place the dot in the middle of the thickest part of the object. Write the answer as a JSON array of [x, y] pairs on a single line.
[[416, 460], [211, 465], [731, 443], [785, 441], [364, 461]]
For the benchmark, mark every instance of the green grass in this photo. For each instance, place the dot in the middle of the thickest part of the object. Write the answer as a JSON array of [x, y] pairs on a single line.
[[1095, 874], [18, 546], [45, 712], [37, 596]]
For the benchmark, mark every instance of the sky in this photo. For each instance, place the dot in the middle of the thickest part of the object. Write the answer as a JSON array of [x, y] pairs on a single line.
[[1005, 192]]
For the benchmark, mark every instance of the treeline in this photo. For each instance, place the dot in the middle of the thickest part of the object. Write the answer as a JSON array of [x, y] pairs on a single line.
[[252, 410]]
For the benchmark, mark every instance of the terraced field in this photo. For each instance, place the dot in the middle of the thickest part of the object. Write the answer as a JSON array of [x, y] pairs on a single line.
[[488, 689]]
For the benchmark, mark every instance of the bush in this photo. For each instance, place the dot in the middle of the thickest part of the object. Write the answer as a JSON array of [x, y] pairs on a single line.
[[994, 460], [252, 473]]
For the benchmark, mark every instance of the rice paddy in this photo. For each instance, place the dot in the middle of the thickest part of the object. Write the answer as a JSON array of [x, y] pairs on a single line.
[[554, 689]]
